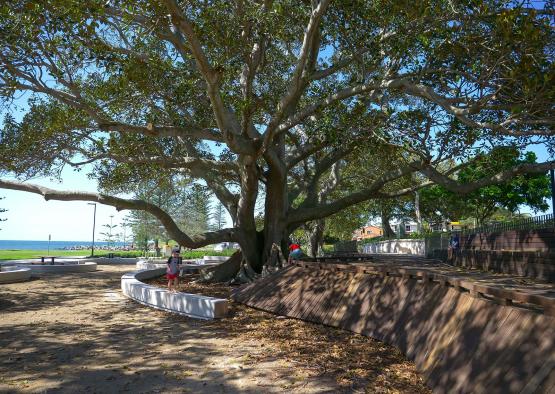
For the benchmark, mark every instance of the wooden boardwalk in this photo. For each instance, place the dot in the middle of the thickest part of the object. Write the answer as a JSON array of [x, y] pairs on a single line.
[[466, 331]]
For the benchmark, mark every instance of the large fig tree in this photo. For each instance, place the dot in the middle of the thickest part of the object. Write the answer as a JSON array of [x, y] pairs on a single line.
[[270, 100]]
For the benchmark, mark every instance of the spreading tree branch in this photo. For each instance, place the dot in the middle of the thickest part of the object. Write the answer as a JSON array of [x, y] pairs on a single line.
[[299, 78], [225, 235], [503, 176]]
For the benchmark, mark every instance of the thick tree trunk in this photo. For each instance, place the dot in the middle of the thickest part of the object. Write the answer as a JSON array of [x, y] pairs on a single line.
[[417, 211], [157, 247], [275, 223], [275, 261], [248, 238], [274, 235], [316, 238], [387, 230]]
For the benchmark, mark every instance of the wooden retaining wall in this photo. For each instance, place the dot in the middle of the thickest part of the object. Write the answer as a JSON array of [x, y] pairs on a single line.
[[462, 336]]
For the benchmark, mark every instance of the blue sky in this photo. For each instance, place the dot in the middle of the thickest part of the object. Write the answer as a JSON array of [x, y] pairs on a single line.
[[30, 217]]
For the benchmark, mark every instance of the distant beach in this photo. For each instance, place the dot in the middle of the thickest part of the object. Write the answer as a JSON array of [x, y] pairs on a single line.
[[54, 245]]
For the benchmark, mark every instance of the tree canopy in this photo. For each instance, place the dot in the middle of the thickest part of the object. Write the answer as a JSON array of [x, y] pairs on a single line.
[[533, 190], [273, 101]]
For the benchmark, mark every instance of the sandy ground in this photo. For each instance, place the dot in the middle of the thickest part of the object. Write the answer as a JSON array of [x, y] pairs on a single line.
[[78, 333]]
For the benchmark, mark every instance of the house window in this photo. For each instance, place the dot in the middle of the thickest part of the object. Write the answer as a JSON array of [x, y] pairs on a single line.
[[369, 232], [407, 228]]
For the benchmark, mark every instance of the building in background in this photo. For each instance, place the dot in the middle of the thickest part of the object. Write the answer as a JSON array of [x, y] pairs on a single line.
[[404, 227], [367, 232], [446, 226]]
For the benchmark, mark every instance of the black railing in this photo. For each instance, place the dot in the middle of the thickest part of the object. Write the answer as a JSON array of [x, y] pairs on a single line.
[[440, 240], [543, 221]]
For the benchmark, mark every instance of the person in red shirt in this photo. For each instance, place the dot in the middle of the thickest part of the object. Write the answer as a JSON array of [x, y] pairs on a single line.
[[295, 251]]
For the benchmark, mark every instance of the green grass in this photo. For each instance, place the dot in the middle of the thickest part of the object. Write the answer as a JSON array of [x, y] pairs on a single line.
[[199, 253], [33, 254]]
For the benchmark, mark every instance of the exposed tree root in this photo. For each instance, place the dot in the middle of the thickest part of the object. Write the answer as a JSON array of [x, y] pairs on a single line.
[[224, 272], [245, 275], [274, 262]]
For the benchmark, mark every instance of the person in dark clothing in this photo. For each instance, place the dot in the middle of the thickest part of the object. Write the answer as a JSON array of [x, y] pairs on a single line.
[[453, 246]]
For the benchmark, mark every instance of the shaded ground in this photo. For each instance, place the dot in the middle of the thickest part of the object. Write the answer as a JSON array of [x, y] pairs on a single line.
[[76, 333]]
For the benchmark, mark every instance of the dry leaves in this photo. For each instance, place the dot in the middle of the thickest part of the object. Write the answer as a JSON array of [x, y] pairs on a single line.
[[357, 363]]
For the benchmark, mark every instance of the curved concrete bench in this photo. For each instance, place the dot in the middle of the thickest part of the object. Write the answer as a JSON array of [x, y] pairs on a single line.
[[192, 305], [68, 266], [114, 260], [214, 259], [148, 265], [188, 265], [14, 274]]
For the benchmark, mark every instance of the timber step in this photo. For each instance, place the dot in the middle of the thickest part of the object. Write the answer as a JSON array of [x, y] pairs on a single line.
[[466, 331]]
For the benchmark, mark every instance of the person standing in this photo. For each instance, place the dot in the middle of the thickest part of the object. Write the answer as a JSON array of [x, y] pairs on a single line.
[[453, 246], [173, 269]]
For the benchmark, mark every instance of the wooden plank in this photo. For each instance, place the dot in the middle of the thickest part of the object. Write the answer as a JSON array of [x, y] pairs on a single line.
[[419, 305], [496, 350], [459, 343], [316, 298], [527, 357], [548, 384], [309, 295], [348, 301], [356, 318], [315, 314], [435, 331], [333, 296], [479, 324], [254, 294], [381, 318], [396, 334], [311, 302], [278, 295], [352, 310], [435, 359], [272, 292], [244, 293], [293, 294], [352, 282]]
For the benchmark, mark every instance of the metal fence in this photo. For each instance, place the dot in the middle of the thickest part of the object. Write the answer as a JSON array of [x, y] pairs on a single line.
[[440, 240], [543, 221], [345, 246]]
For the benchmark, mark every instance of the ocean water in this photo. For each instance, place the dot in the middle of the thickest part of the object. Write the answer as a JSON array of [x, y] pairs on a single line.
[[54, 245]]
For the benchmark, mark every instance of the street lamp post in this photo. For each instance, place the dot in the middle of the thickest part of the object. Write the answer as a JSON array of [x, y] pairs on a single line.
[[124, 243], [552, 176], [110, 233], [94, 224]]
